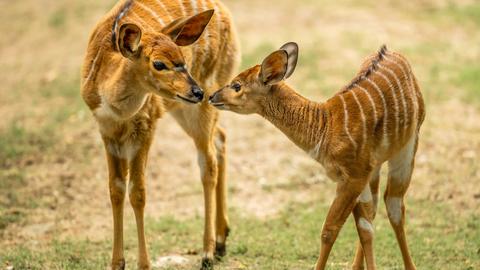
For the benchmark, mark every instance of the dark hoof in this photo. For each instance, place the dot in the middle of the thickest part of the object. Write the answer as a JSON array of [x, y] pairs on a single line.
[[207, 264], [220, 250], [119, 265]]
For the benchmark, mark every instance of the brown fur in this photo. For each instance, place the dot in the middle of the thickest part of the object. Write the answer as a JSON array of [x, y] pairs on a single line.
[[376, 118], [127, 95]]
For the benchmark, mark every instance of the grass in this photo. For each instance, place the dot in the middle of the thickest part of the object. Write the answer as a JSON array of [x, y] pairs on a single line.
[[47, 125], [289, 241]]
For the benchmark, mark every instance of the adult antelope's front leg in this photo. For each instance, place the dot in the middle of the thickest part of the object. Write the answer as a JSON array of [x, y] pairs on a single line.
[[222, 227], [117, 171], [199, 122], [138, 198], [209, 170]]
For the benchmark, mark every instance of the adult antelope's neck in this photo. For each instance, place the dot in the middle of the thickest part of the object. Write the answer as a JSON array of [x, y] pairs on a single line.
[[302, 120]]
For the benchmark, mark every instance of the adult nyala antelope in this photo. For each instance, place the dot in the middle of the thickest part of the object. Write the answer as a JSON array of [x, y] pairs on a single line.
[[376, 118], [139, 65]]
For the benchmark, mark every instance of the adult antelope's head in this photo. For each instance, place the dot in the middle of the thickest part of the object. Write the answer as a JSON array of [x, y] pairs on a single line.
[[249, 89], [156, 57]]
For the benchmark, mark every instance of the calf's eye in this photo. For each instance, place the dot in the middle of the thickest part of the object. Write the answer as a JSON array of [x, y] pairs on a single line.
[[236, 87], [159, 65]]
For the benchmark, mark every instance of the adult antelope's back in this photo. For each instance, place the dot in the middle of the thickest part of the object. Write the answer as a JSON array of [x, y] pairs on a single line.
[[138, 65]]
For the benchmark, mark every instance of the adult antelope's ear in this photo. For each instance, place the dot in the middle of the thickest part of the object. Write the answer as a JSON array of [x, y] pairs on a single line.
[[186, 31], [274, 67], [292, 51], [129, 40]]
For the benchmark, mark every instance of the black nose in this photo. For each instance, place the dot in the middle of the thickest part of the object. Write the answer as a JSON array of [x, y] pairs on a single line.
[[197, 92]]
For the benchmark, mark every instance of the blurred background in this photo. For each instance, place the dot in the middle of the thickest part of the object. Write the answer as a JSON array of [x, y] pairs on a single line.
[[54, 204]]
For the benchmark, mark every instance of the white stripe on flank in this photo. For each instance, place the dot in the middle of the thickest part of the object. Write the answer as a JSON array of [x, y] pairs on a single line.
[[182, 9], [149, 10], [164, 9], [92, 68], [194, 6], [375, 117], [394, 100], [142, 21], [362, 114], [390, 58], [345, 123], [385, 110], [402, 93]]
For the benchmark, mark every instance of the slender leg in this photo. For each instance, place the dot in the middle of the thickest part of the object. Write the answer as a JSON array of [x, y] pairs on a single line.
[[358, 262], [222, 228], [138, 199], [200, 123], [342, 206], [208, 163], [399, 176], [363, 214], [117, 171]]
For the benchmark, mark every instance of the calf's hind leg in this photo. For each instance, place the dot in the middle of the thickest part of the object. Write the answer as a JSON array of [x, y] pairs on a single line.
[[399, 177]]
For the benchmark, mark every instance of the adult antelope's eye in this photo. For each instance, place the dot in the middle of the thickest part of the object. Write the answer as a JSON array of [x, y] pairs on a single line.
[[236, 87], [159, 65]]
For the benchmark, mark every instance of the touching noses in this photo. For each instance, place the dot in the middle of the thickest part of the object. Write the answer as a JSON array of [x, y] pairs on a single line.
[[197, 92]]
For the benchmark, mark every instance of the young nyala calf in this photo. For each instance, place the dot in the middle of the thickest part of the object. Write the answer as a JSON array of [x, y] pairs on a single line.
[[376, 118]]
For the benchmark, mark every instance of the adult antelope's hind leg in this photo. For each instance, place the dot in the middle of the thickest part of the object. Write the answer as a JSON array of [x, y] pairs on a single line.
[[399, 176], [137, 195], [199, 122], [222, 228], [358, 262], [347, 194], [117, 173]]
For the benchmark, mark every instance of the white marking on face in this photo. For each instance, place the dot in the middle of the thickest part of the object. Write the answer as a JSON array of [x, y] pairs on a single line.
[[394, 209], [366, 195], [345, 122], [365, 225], [120, 183], [202, 163]]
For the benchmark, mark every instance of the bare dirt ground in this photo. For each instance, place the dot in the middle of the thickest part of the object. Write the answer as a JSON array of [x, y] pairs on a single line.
[[266, 171]]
